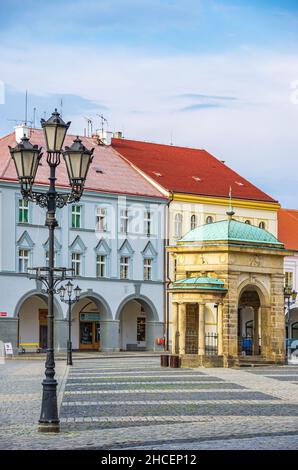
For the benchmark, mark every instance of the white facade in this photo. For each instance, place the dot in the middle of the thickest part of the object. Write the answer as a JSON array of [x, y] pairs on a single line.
[[96, 248], [291, 276]]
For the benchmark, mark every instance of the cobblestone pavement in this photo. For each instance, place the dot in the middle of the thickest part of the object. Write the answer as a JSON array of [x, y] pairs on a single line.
[[130, 402]]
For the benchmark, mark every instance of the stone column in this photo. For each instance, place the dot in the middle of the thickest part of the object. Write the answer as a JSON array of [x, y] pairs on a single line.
[[109, 335], [175, 327], [277, 319], [182, 328], [255, 349], [219, 330], [201, 335]]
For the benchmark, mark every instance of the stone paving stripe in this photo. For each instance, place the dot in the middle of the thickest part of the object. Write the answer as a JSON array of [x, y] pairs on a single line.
[[288, 391], [171, 402], [155, 382], [160, 390], [123, 375]]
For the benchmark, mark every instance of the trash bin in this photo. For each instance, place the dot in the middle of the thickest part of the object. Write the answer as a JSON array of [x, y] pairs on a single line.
[[164, 360], [174, 361]]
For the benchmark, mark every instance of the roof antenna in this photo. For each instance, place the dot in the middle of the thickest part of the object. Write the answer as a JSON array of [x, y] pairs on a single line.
[[26, 108], [231, 211], [171, 142], [34, 116], [103, 120]]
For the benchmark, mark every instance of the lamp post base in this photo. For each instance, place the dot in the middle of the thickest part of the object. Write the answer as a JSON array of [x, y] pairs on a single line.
[[49, 419], [49, 427]]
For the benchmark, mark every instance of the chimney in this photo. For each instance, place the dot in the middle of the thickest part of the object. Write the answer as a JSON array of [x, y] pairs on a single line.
[[21, 131], [103, 136], [118, 135]]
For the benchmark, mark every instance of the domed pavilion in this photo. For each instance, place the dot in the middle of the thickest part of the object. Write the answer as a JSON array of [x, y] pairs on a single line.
[[236, 271]]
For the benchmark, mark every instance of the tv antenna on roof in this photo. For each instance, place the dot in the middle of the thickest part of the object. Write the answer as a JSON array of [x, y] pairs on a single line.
[[23, 121], [89, 126], [103, 121]]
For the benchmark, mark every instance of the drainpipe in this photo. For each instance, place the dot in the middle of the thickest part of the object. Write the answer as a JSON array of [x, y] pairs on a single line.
[[166, 274]]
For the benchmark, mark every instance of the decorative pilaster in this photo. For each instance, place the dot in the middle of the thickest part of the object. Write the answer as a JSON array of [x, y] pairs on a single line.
[[175, 345], [201, 336], [182, 327], [219, 330]]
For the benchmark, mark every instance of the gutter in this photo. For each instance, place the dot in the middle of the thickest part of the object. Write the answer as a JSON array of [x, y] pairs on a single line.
[[167, 281]]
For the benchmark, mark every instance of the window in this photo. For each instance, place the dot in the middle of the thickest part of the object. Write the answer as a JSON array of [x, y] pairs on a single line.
[[23, 211], [289, 279], [101, 219], [76, 263], [193, 222], [209, 219], [248, 222], [123, 221], [147, 269], [101, 265], [147, 223], [76, 216], [141, 329], [262, 225], [23, 260], [124, 267], [178, 225]]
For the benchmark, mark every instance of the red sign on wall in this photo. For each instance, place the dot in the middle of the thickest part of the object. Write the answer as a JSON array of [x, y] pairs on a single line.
[[3, 314]]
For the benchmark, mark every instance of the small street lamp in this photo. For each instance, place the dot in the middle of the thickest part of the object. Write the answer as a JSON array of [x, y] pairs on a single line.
[[69, 290], [77, 159], [290, 297]]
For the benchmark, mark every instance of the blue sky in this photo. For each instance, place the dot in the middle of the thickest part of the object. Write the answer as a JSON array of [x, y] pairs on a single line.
[[214, 74]]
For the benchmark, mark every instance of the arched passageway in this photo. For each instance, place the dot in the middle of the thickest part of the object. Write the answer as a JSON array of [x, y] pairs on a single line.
[[139, 325], [249, 322], [91, 324], [32, 311]]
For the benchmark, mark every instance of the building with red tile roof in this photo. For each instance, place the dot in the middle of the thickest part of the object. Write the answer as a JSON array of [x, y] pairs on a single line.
[[113, 239], [288, 234], [198, 186], [288, 228], [188, 170], [108, 172]]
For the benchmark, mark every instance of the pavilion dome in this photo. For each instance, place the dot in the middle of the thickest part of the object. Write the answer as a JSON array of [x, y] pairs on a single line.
[[231, 231]]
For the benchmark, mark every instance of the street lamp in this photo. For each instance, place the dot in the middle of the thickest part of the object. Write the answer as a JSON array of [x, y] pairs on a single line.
[[69, 289], [290, 296], [26, 158]]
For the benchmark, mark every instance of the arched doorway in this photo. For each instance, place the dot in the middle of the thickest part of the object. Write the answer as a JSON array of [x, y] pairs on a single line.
[[31, 311], [90, 319], [249, 322], [139, 325]]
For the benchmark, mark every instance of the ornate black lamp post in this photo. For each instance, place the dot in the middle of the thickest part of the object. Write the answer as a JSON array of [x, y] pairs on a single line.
[[290, 296], [69, 290], [26, 158]]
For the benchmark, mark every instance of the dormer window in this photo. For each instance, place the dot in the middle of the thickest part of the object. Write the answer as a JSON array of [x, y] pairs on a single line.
[[262, 225], [193, 222]]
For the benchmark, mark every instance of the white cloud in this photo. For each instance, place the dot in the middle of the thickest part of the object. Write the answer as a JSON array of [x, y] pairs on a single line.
[[256, 133]]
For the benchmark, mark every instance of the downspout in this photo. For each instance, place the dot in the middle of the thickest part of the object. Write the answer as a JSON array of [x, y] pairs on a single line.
[[166, 274]]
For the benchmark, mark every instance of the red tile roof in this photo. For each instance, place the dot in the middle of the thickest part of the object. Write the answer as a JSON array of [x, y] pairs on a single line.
[[288, 228], [187, 170], [117, 175]]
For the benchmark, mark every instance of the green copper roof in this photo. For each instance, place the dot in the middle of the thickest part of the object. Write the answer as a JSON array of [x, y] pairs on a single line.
[[210, 283], [231, 230]]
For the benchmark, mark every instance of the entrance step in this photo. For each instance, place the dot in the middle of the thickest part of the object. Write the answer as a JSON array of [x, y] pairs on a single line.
[[254, 361]]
